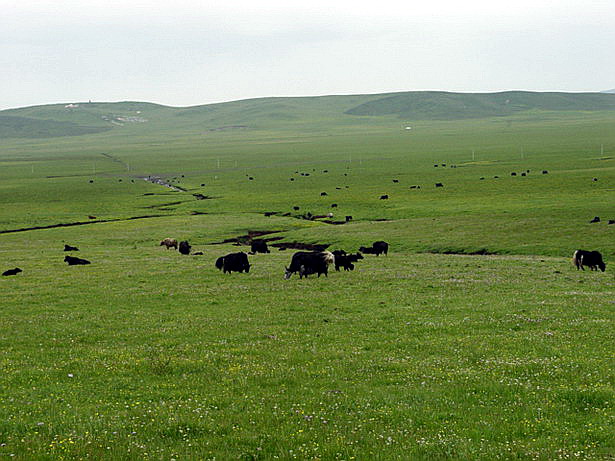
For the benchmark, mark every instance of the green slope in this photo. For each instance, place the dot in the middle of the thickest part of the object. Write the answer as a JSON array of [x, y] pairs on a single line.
[[450, 106], [274, 113]]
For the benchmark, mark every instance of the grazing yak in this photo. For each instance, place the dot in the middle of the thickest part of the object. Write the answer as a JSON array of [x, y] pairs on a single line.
[[70, 248], [15, 271], [184, 247], [591, 259], [439, 184], [306, 263], [384, 197], [233, 262], [596, 219], [259, 246], [377, 248], [346, 261], [72, 261], [169, 243]]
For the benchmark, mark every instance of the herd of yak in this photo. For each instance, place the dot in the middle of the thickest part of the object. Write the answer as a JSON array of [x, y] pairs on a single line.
[[303, 263], [306, 263]]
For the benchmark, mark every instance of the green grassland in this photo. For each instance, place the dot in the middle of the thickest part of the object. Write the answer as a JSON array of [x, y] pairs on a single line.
[[428, 353]]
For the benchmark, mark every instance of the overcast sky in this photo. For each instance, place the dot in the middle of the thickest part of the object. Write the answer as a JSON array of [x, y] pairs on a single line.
[[187, 52]]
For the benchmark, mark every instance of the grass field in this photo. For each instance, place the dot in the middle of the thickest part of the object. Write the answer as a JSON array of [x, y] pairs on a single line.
[[428, 353]]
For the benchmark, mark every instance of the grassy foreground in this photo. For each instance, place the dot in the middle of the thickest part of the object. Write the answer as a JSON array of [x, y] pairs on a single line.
[[147, 354]]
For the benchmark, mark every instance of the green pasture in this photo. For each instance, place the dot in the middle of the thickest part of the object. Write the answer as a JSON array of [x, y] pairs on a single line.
[[431, 352]]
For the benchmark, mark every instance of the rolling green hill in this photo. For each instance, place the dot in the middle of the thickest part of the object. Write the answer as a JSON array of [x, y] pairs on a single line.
[[266, 113]]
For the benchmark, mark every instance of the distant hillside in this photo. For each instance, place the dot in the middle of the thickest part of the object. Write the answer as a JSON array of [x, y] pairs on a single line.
[[433, 105], [24, 127], [267, 113]]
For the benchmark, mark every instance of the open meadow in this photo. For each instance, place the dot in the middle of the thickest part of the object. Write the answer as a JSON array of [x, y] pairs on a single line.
[[474, 338]]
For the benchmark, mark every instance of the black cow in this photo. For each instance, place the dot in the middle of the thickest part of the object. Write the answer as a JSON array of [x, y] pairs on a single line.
[[611, 221], [15, 271], [523, 174], [323, 194], [592, 259], [346, 261], [545, 172], [296, 208], [258, 246], [70, 248], [384, 197], [184, 248], [233, 262], [306, 263], [439, 184], [72, 261], [377, 248], [348, 218], [513, 174], [396, 180], [334, 205], [596, 219]]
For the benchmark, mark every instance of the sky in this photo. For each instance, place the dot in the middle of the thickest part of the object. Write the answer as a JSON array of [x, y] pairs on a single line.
[[190, 52]]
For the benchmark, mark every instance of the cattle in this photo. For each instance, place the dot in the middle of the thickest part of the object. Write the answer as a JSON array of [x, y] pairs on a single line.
[[545, 172], [396, 180], [251, 178], [169, 243], [495, 177], [233, 262], [523, 174], [595, 179], [415, 187], [325, 171], [592, 259], [611, 221], [482, 178], [70, 248], [184, 247], [258, 246], [346, 261], [306, 263], [72, 261], [377, 248], [292, 179], [296, 208], [334, 205], [91, 181], [439, 184], [202, 184], [384, 197], [15, 271], [435, 166], [338, 188], [348, 218], [268, 214], [444, 164], [596, 219], [513, 174], [323, 194]]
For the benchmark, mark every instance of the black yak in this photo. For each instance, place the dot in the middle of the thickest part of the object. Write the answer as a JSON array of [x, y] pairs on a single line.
[[306, 263], [70, 248], [258, 246], [184, 247], [72, 261], [233, 262], [377, 248], [591, 259], [15, 271]]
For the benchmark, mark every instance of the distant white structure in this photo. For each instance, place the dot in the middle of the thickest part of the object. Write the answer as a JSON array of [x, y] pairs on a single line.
[[71, 106], [408, 128]]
